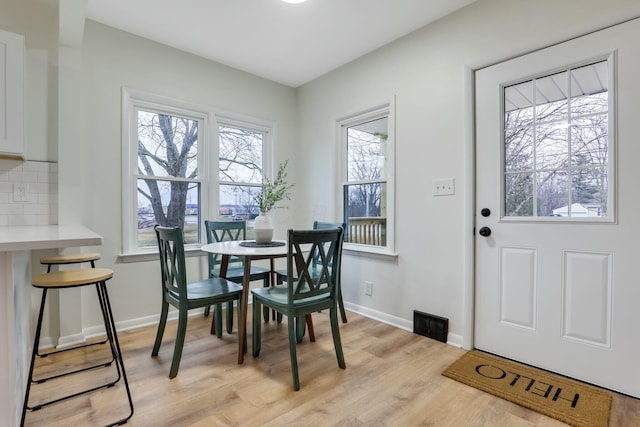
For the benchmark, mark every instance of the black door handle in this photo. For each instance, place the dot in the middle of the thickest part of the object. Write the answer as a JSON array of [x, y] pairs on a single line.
[[485, 232]]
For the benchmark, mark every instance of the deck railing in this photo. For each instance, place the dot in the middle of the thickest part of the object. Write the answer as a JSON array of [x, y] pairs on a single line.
[[368, 230]]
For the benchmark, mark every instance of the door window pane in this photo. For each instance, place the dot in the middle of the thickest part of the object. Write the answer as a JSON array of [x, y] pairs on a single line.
[[565, 134], [519, 194]]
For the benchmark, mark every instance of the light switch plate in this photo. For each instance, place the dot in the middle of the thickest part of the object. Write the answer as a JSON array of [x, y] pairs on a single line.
[[443, 187]]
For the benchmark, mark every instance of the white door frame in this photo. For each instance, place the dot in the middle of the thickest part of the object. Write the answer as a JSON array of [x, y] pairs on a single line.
[[469, 204]]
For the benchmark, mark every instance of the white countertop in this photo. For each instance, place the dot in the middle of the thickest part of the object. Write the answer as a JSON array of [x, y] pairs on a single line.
[[29, 237]]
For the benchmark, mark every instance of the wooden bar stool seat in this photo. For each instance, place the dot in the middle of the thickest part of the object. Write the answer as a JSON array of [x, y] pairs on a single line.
[[72, 279], [70, 259], [65, 259]]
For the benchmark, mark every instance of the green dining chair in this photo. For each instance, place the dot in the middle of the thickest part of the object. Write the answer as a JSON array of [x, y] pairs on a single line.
[[304, 293], [176, 291], [219, 231], [281, 275]]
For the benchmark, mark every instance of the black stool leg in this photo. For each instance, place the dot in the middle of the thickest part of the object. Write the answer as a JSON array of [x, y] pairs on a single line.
[[100, 365], [115, 345], [36, 343]]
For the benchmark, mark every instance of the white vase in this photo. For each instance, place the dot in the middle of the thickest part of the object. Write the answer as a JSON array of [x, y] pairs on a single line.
[[263, 228]]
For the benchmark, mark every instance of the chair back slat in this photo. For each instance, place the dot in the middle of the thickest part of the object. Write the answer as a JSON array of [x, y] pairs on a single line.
[[319, 225], [221, 231], [172, 264], [322, 254]]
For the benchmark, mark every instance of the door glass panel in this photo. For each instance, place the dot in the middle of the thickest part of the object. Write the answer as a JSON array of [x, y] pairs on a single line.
[[552, 150], [518, 148], [589, 190], [519, 194], [552, 193], [551, 97], [556, 127]]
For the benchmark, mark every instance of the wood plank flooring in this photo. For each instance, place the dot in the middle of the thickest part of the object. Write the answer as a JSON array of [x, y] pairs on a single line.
[[393, 378]]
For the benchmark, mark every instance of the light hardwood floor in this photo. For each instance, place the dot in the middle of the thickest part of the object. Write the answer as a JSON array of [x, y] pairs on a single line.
[[393, 378]]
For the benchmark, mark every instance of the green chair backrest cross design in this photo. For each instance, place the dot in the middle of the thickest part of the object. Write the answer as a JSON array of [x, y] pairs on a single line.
[[319, 225]]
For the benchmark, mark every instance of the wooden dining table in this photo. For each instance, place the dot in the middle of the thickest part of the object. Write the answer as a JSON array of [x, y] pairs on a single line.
[[249, 251]]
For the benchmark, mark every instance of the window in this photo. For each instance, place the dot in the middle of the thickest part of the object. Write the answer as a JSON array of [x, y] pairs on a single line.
[[170, 166], [367, 185], [165, 159], [557, 148], [241, 148]]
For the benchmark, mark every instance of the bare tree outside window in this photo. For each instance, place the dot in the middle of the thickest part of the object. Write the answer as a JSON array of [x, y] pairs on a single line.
[[556, 144], [240, 171], [168, 185], [365, 190]]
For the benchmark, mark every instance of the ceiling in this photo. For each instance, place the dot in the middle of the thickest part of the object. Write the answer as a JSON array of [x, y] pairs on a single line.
[[287, 43]]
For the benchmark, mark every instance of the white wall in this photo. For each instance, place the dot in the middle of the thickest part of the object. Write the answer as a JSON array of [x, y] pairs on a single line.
[[428, 72]]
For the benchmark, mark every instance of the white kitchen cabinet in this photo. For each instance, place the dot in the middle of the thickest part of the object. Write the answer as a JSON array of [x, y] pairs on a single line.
[[12, 59]]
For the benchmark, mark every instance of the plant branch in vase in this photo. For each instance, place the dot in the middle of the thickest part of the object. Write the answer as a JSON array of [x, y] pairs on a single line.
[[273, 192]]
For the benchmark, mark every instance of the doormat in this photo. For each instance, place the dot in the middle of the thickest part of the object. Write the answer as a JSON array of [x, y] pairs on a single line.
[[564, 399]]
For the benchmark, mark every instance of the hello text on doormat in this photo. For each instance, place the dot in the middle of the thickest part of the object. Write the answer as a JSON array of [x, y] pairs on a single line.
[[562, 398]]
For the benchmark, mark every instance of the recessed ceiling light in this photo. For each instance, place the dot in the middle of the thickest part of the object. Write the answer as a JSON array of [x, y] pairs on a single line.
[[294, 1]]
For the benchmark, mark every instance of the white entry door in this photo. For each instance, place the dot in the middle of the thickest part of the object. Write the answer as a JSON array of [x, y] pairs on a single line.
[[558, 172]]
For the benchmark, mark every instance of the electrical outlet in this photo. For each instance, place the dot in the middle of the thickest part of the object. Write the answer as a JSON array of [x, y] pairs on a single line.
[[368, 288], [20, 192], [443, 187]]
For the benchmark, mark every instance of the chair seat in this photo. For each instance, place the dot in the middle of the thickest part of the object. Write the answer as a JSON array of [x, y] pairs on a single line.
[[70, 258], [71, 278], [280, 295], [210, 288], [282, 274]]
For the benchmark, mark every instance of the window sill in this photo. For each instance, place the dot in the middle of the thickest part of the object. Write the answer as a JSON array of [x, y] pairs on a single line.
[[153, 256], [368, 251]]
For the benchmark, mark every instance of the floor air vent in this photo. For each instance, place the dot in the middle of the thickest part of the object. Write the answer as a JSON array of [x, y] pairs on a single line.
[[430, 325]]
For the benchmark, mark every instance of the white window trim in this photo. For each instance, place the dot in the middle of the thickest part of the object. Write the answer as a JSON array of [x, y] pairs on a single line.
[[268, 128], [208, 148], [385, 108], [132, 99]]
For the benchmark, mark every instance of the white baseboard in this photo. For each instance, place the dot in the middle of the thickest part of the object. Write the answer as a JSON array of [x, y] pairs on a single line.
[[407, 325], [95, 331]]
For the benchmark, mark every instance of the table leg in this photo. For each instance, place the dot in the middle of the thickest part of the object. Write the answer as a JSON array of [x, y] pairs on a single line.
[[312, 334], [242, 334], [272, 282], [224, 266]]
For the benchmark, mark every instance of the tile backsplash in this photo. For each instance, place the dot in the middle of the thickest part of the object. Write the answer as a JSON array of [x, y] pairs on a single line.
[[28, 192]]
